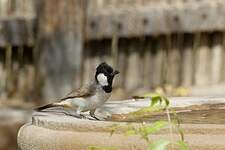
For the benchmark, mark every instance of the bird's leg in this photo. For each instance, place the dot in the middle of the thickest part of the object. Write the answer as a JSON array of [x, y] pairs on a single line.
[[80, 115], [73, 113], [92, 114], [70, 113], [77, 114]]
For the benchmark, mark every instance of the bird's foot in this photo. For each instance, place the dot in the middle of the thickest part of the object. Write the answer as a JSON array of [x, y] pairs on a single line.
[[82, 116], [93, 116]]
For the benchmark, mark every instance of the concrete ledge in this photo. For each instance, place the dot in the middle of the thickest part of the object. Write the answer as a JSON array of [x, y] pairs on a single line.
[[56, 131], [68, 133]]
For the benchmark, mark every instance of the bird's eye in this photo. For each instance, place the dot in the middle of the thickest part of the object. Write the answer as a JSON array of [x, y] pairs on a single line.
[[109, 70]]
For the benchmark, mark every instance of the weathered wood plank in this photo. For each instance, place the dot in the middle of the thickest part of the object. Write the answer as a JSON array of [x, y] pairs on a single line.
[[203, 62], [223, 60], [158, 54], [60, 44], [156, 19], [17, 22], [3, 40], [108, 4], [133, 75], [90, 61], [17, 31], [95, 52], [25, 83], [217, 57], [187, 61], [2, 80], [148, 63], [87, 69], [122, 62], [17, 8], [174, 60], [135, 19]]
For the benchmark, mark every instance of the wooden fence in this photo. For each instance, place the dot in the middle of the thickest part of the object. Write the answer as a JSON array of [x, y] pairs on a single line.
[[50, 46]]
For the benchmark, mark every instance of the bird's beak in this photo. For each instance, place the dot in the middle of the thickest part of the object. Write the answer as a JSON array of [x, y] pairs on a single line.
[[115, 72]]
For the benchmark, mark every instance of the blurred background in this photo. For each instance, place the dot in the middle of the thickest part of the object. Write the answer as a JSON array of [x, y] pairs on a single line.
[[49, 47]]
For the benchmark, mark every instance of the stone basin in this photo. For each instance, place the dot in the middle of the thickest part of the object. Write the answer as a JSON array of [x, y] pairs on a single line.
[[49, 130]]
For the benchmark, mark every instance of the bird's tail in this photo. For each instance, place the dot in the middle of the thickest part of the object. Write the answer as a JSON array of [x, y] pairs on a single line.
[[47, 106]]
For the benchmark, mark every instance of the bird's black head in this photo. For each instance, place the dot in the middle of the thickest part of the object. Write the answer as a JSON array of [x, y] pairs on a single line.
[[104, 76]]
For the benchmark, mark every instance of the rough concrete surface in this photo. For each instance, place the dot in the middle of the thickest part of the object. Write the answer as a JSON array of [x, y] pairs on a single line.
[[56, 131], [69, 133]]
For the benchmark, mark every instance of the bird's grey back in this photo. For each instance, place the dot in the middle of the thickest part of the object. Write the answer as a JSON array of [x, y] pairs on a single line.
[[85, 91]]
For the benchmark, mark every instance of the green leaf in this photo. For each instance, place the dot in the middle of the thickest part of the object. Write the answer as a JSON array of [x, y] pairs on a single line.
[[159, 145], [181, 133], [143, 111], [130, 132], [182, 145], [101, 148], [176, 125], [157, 98], [113, 128], [166, 100], [151, 95], [156, 126], [145, 131]]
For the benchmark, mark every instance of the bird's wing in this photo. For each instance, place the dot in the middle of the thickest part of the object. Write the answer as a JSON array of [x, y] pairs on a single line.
[[85, 91]]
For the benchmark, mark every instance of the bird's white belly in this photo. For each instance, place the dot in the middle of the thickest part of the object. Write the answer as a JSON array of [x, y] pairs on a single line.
[[93, 102]]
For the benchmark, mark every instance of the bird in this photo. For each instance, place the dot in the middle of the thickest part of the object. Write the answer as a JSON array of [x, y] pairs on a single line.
[[90, 96]]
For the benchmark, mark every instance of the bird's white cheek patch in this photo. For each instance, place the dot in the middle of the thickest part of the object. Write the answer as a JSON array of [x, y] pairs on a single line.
[[102, 79]]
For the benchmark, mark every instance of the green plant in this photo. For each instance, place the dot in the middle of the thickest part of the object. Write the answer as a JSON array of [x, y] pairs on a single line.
[[100, 148], [158, 103]]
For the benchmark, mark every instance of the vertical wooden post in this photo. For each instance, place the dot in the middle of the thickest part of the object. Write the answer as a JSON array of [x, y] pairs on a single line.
[[203, 62], [187, 61], [87, 67], [148, 63], [3, 75], [60, 44], [133, 70], [122, 63], [158, 53], [223, 60], [217, 58], [95, 53], [174, 60]]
